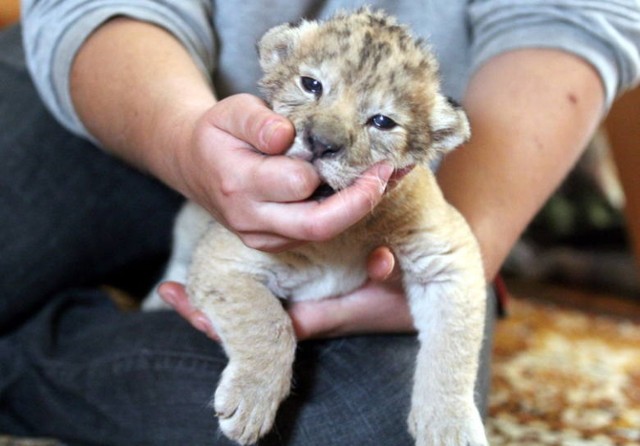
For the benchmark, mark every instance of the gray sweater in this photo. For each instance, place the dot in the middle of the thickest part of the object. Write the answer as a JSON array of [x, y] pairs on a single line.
[[221, 36]]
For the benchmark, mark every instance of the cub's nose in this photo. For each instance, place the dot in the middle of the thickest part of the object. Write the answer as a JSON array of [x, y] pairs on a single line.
[[322, 146]]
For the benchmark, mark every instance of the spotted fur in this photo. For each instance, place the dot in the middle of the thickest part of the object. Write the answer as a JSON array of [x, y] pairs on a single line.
[[368, 64]]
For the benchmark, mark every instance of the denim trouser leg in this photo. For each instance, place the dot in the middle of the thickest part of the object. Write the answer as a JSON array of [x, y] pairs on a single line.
[[69, 214], [75, 368], [87, 374]]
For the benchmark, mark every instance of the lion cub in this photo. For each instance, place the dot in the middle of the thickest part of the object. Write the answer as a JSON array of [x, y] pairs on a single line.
[[359, 90]]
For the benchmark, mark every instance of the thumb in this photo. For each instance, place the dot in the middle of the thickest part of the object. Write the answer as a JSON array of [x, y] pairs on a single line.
[[248, 119]]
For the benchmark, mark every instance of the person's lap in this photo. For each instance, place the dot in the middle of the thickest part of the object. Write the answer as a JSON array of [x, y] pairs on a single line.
[[85, 373], [74, 367], [69, 213]]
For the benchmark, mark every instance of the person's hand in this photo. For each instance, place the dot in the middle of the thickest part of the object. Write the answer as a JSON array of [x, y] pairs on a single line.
[[150, 105], [261, 198], [377, 307]]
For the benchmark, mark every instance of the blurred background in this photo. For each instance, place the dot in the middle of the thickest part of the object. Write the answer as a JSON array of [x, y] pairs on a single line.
[[9, 11]]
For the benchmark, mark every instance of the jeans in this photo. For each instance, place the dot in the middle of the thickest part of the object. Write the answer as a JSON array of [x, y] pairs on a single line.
[[75, 368]]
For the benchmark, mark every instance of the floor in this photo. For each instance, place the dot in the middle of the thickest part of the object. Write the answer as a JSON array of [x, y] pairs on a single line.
[[566, 369]]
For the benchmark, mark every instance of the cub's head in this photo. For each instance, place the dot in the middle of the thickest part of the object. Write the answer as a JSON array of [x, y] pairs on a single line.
[[359, 89]]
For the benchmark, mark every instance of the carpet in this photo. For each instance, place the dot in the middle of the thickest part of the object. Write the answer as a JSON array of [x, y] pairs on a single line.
[[563, 376]]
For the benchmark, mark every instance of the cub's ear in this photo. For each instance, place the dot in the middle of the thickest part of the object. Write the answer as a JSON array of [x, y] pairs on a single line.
[[449, 125], [278, 44]]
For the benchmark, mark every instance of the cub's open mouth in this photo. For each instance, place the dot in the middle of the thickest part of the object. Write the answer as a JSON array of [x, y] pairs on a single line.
[[323, 191]]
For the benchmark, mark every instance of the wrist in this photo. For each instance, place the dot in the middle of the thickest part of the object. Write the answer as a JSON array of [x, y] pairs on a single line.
[[169, 150]]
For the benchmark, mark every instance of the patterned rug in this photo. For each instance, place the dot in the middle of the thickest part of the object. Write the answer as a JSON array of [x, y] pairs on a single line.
[[564, 377]]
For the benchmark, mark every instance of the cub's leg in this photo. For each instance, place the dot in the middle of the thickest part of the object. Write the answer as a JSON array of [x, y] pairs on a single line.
[[445, 286], [191, 223], [257, 336]]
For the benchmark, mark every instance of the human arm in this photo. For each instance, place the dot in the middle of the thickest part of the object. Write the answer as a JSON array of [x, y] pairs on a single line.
[[545, 74], [532, 112], [150, 105]]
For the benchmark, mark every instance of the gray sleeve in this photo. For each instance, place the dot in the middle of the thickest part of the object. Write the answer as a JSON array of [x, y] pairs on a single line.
[[54, 30], [604, 33]]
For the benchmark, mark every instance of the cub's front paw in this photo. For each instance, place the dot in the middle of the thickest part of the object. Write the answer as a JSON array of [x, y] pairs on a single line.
[[247, 399], [431, 427]]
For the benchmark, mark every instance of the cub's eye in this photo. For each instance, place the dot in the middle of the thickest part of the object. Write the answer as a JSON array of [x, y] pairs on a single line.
[[311, 85], [382, 122]]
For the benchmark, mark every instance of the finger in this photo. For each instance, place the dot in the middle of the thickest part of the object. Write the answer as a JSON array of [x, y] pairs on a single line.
[[248, 119], [380, 264], [175, 295], [282, 179], [345, 208], [268, 242], [314, 319], [313, 221], [373, 308]]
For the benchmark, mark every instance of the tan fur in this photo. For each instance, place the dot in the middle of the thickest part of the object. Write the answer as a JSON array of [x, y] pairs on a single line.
[[368, 65]]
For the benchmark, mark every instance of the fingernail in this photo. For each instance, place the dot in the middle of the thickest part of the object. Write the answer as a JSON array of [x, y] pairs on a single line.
[[268, 132], [385, 171], [201, 323], [168, 296]]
